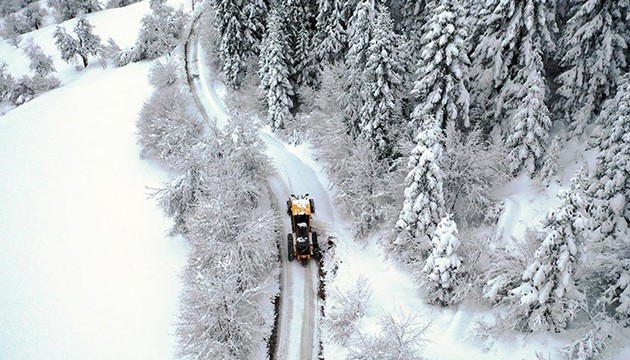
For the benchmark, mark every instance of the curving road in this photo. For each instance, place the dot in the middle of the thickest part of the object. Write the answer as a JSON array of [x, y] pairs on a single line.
[[299, 305]]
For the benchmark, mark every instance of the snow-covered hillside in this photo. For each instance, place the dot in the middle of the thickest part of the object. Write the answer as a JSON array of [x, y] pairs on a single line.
[[86, 268]]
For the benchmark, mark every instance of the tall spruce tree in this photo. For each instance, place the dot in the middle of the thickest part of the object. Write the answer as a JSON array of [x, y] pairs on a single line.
[[331, 37], [275, 71], [439, 87], [360, 29], [548, 295], [423, 206], [381, 93], [610, 193], [240, 25], [593, 50], [516, 35]]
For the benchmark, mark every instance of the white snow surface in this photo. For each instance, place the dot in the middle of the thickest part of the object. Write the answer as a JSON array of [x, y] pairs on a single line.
[[86, 268]]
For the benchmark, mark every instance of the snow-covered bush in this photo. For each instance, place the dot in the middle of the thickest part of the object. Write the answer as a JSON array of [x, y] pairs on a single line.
[[601, 339], [367, 188], [401, 336], [7, 82], [119, 3], [40, 63], [165, 72], [345, 307], [506, 265], [472, 169], [168, 125], [443, 264], [160, 31]]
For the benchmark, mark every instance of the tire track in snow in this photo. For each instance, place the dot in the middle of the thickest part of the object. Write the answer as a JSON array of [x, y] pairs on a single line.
[[299, 305]]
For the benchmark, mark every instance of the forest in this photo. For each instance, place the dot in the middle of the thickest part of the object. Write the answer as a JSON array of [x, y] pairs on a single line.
[[418, 111]]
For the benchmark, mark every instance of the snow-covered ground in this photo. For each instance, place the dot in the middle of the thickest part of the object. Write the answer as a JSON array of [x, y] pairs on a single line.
[[86, 268]]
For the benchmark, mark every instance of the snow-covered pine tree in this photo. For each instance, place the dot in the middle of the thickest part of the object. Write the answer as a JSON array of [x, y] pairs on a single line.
[[593, 50], [530, 123], [298, 27], [40, 63], [610, 211], [330, 38], [240, 25], [443, 264], [413, 15], [516, 33], [550, 162], [423, 206], [548, 298], [382, 88], [439, 88], [274, 72], [359, 37]]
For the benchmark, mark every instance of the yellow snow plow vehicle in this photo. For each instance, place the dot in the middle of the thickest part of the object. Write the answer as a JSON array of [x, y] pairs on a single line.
[[302, 241]]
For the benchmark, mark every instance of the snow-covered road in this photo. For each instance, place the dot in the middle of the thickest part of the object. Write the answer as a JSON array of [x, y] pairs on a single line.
[[299, 305]]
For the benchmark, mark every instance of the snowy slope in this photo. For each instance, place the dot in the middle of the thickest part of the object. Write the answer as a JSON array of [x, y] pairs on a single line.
[[87, 271]]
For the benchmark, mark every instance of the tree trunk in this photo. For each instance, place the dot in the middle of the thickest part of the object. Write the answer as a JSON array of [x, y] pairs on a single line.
[[85, 60]]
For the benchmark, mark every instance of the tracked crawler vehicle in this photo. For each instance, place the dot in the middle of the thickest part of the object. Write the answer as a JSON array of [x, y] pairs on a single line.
[[302, 241]]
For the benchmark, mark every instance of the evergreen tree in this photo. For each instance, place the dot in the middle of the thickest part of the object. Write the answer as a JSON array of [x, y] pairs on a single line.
[[439, 86], [548, 295], [530, 125], [550, 162], [359, 37], [240, 25], [299, 32], [443, 264], [423, 206], [331, 41], [516, 36], [40, 63], [275, 71], [593, 50], [382, 88], [610, 192]]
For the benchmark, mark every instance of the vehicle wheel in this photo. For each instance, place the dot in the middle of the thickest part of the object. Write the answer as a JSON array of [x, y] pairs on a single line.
[[289, 207], [312, 203], [290, 247], [304, 262], [316, 251]]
